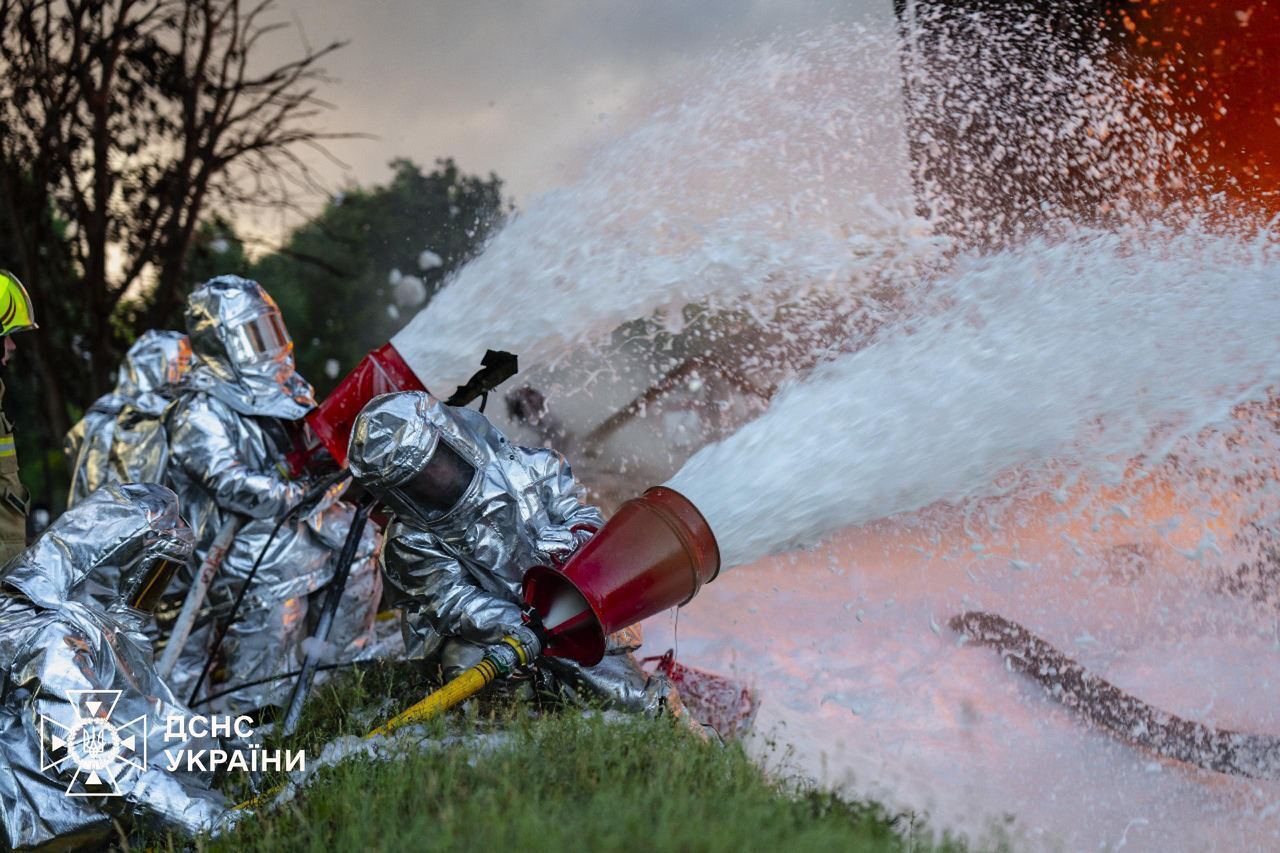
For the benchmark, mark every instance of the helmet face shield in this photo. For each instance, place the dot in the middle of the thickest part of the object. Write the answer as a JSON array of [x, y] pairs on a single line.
[[260, 339], [152, 585], [144, 579], [180, 364], [441, 483]]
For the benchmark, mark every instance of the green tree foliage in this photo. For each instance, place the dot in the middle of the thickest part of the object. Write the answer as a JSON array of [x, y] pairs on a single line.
[[332, 276], [217, 250], [122, 125], [130, 121], [25, 403]]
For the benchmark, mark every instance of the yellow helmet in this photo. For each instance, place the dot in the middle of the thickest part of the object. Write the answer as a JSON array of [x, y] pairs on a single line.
[[16, 313]]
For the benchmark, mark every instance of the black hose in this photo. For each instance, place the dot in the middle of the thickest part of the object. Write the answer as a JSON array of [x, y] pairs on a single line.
[[307, 501], [282, 676], [333, 600]]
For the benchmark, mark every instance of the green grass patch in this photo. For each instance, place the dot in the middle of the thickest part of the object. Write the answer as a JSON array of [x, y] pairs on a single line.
[[556, 780]]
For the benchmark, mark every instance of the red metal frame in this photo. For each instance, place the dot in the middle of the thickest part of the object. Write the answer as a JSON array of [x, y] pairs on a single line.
[[382, 371]]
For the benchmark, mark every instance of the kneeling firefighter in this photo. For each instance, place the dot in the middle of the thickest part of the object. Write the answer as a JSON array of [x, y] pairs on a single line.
[[125, 424], [472, 514], [83, 715], [228, 436]]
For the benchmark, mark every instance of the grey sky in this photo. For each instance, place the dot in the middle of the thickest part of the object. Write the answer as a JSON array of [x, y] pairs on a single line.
[[516, 87]]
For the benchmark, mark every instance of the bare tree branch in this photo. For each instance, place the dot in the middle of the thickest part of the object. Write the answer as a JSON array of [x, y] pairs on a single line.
[[131, 120]]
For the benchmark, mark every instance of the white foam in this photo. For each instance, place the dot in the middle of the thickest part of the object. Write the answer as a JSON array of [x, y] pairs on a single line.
[[777, 170], [1075, 434], [882, 705], [1050, 425], [1082, 352]]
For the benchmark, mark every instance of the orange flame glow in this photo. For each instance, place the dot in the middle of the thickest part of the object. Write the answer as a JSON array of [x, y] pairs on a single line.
[[1220, 58]]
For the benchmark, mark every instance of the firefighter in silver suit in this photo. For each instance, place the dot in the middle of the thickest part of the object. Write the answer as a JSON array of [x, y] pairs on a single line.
[[472, 513], [155, 363], [227, 442], [83, 714]]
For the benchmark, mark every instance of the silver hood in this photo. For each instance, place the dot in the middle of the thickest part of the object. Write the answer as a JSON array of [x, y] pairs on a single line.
[[269, 386], [98, 549], [145, 383], [57, 644], [394, 437], [157, 361]]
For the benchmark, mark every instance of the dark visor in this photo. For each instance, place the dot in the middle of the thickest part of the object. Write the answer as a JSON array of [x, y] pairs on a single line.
[[152, 588], [442, 481]]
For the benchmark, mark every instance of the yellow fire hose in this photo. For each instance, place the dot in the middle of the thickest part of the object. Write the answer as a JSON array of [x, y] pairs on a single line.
[[504, 658], [461, 688]]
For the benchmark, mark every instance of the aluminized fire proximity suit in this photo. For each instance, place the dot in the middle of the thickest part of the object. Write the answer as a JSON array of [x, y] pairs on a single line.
[[154, 364], [457, 569], [226, 445], [56, 641]]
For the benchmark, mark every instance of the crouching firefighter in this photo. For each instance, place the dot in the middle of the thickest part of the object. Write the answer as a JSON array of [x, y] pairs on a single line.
[[472, 514], [128, 418], [228, 435], [83, 715]]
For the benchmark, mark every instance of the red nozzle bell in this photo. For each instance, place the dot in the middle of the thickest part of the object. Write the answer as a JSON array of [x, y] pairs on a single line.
[[656, 552]]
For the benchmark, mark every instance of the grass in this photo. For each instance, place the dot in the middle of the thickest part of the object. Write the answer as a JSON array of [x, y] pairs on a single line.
[[558, 781]]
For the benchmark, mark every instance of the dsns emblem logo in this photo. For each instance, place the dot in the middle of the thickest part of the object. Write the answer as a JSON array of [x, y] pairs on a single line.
[[96, 746]]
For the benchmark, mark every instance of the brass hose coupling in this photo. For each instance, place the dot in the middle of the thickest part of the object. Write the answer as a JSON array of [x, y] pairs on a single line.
[[518, 649]]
